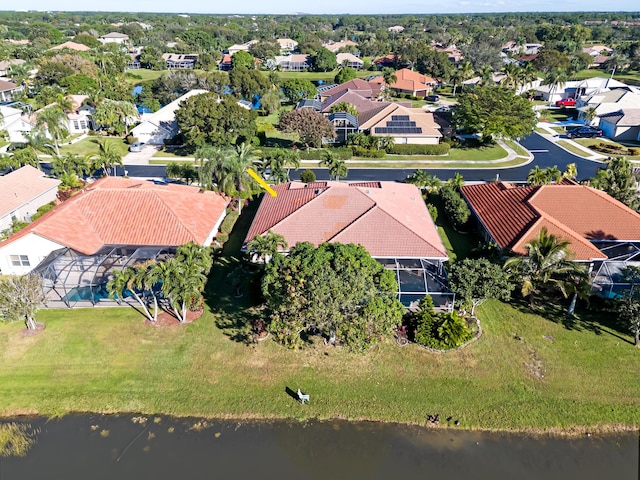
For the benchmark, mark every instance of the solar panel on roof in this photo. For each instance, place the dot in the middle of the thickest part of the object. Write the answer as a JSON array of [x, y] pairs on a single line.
[[399, 117]]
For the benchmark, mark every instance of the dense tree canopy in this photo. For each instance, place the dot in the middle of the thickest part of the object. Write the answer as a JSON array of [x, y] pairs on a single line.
[[310, 125], [297, 88], [494, 111], [476, 280], [205, 119], [336, 289]]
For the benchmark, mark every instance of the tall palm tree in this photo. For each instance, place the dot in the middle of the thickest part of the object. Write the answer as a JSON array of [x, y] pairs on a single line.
[[553, 174], [336, 166], [486, 75], [556, 78], [234, 177], [546, 266], [107, 158], [127, 114], [456, 181], [125, 280], [263, 247], [389, 77], [52, 121], [510, 79], [210, 160]]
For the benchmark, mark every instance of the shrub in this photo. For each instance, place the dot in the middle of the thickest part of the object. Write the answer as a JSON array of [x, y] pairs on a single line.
[[439, 330], [635, 152], [42, 210], [368, 152], [222, 237], [307, 176], [344, 153], [131, 139], [411, 149], [455, 208], [433, 211], [229, 221]]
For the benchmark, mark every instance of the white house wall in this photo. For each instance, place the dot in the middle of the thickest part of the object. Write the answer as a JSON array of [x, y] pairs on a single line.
[[35, 247], [24, 211], [215, 229], [148, 132], [416, 140]]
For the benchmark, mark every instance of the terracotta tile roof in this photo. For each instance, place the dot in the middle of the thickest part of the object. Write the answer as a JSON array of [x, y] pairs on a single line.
[[580, 214], [411, 81], [389, 219], [366, 89], [379, 117], [79, 47], [119, 211], [22, 186], [361, 103]]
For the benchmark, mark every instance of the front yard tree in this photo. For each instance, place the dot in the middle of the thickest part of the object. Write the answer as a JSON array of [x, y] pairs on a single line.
[[476, 280], [107, 158], [619, 181], [264, 247], [52, 121], [311, 126], [336, 289], [116, 116], [324, 60], [336, 166], [494, 110], [242, 59], [546, 267], [20, 299], [345, 74], [203, 120], [297, 89], [454, 206]]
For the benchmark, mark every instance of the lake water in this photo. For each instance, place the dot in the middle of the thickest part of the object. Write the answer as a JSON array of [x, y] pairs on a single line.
[[119, 447]]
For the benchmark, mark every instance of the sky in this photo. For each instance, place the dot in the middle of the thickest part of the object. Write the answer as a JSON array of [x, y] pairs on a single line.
[[333, 6]]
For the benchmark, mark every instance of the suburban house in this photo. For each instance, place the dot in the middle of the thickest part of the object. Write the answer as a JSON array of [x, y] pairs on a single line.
[[225, 63], [370, 90], [80, 117], [621, 125], [113, 223], [162, 125], [15, 123], [78, 47], [8, 90], [114, 37], [578, 88], [287, 45], [609, 101], [405, 125], [334, 47], [349, 60], [396, 29], [604, 233], [178, 61], [388, 61], [22, 192], [413, 83], [293, 63], [389, 219], [241, 47], [5, 65]]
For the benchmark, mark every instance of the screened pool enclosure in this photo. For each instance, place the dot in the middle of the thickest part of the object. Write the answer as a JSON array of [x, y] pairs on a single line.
[[607, 278], [71, 278]]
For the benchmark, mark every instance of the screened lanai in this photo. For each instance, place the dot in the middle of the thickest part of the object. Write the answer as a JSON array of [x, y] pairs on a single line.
[[607, 278], [418, 277], [70, 278]]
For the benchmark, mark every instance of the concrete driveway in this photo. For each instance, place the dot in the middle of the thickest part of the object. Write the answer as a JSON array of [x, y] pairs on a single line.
[[141, 158]]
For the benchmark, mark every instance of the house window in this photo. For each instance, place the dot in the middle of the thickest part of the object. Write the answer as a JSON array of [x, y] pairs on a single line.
[[20, 260], [83, 125], [75, 125]]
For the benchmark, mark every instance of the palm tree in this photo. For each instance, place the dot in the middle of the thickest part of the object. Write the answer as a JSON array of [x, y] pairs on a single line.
[[52, 120], [486, 75], [424, 181], [456, 181], [389, 77], [546, 266], [571, 172], [556, 78], [274, 165], [233, 176], [537, 176], [210, 161], [337, 167], [553, 174], [107, 158], [263, 247], [125, 280], [589, 115], [127, 114], [510, 79]]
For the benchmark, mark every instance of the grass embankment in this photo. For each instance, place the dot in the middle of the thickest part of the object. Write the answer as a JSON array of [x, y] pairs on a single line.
[[89, 146], [575, 150], [552, 376]]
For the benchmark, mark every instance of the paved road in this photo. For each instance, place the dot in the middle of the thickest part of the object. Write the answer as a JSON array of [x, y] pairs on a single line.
[[546, 154]]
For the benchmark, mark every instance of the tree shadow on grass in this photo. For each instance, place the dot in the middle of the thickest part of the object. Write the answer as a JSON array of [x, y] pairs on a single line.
[[596, 316], [235, 302]]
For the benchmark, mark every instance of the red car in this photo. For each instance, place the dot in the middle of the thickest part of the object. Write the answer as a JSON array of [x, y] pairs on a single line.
[[566, 102]]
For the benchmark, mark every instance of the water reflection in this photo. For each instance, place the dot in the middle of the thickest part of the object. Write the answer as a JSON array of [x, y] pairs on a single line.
[[110, 447]]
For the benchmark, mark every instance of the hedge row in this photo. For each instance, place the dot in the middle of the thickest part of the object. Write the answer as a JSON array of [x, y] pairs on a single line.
[[412, 149], [344, 153], [368, 152]]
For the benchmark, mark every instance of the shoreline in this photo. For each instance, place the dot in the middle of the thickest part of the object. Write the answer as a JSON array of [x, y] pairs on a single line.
[[548, 432]]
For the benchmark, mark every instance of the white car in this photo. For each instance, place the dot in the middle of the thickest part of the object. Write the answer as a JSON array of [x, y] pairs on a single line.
[[136, 147]]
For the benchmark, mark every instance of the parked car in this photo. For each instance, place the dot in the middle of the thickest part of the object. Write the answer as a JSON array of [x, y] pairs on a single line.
[[581, 132], [442, 109], [432, 98], [16, 146], [566, 102], [136, 147]]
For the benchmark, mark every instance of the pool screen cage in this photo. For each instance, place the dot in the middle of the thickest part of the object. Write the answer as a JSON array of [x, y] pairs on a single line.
[[70, 277], [607, 278], [418, 277]]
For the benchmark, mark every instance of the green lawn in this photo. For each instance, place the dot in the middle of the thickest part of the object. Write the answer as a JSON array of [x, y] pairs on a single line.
[[146, 74], [326, 77], [573, 149], [89, 146], [631, 77], [517, 148]]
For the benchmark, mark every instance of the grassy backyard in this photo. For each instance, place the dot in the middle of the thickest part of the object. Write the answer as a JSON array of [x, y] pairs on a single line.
[[527, 372]]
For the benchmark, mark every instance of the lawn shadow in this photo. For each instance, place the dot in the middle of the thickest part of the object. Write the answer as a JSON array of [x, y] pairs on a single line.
[[233, 288], [292, 394]]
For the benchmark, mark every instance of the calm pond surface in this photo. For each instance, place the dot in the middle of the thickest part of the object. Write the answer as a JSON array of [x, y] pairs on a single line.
[[123, 447]]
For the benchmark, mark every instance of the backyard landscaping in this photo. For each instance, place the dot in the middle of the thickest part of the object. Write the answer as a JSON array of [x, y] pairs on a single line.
[[547, 372]]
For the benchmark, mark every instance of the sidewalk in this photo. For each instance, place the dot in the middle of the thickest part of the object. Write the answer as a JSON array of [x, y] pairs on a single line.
[[554, 136]]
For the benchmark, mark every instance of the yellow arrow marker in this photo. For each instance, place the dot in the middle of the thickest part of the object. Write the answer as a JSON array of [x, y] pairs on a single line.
[[264, 184]]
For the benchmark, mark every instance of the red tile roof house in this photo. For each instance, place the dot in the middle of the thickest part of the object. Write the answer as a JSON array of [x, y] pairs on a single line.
[[604, 233], [413, 83], [389, 219], [114, 222]]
